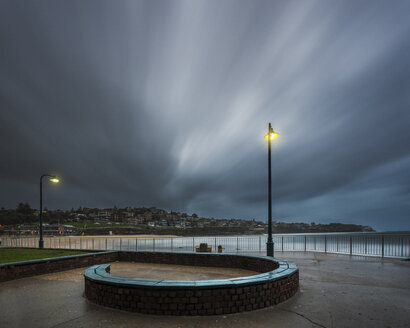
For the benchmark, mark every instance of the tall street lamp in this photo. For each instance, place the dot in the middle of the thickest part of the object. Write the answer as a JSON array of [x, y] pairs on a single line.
[[54, 179], [269, 244]]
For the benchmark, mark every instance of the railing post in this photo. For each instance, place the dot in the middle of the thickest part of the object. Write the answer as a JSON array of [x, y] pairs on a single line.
[[305, 243], [282, 243], [351, 245], [365, 245], [93, 243], [215, 246], [193, 244], [260, 244], [136, 244], [81, 243], [382, 246], [172, 244], [325, 244], [153, 244], [106, 244], [402, 246], [120, 243], [69, 243], [237, 244]]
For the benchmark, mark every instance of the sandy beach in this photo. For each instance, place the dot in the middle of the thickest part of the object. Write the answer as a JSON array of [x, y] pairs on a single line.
[[126, 236]]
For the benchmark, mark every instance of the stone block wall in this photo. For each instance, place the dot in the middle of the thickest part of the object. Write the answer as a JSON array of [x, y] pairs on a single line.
[[11, 271], [210, 301], [253, 263]]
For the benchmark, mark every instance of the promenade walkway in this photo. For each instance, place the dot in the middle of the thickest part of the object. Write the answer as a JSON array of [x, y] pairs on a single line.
[[335, 291]]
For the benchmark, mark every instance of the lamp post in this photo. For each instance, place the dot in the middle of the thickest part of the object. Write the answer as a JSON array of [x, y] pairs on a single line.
[[54, 179], [269, 244]]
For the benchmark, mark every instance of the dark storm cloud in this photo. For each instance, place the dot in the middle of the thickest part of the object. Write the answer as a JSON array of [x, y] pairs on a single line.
[[166, 103]]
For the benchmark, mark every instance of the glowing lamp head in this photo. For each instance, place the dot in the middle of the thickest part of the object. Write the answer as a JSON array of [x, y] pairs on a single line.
[[55, 179], [272, 135]]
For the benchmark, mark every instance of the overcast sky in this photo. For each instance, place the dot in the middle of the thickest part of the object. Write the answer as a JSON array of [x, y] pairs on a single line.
[[166, 103]]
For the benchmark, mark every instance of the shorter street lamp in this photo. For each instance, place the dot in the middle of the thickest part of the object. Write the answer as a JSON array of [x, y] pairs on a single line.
[[269, 244], [54, 179]]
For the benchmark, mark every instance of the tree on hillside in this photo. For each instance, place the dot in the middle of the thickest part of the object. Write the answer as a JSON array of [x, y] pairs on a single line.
[[24, 208]]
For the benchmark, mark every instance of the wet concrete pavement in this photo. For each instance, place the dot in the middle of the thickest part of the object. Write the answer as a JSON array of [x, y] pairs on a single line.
[[335, 291], [175, 272]]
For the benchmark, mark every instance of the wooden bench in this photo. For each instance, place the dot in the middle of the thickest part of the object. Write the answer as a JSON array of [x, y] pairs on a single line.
[[204, 248]]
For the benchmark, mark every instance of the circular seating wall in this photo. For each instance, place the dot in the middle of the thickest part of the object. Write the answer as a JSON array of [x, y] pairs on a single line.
[[278, 280]]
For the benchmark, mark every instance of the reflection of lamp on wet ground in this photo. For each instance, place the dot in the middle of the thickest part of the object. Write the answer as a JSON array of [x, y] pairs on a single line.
[[269, 244], [54, 179]]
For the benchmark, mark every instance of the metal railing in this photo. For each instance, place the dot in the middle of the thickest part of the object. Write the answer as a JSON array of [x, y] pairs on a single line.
[[394, 245]]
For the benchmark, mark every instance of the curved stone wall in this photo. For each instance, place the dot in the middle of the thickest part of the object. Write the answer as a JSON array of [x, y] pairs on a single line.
[[278, 281]]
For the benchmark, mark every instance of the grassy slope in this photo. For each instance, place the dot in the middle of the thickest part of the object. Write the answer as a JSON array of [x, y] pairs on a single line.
[[22, 254]]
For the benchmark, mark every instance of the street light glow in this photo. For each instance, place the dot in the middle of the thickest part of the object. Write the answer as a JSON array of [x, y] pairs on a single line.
[[55, 180], [272, 135]]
